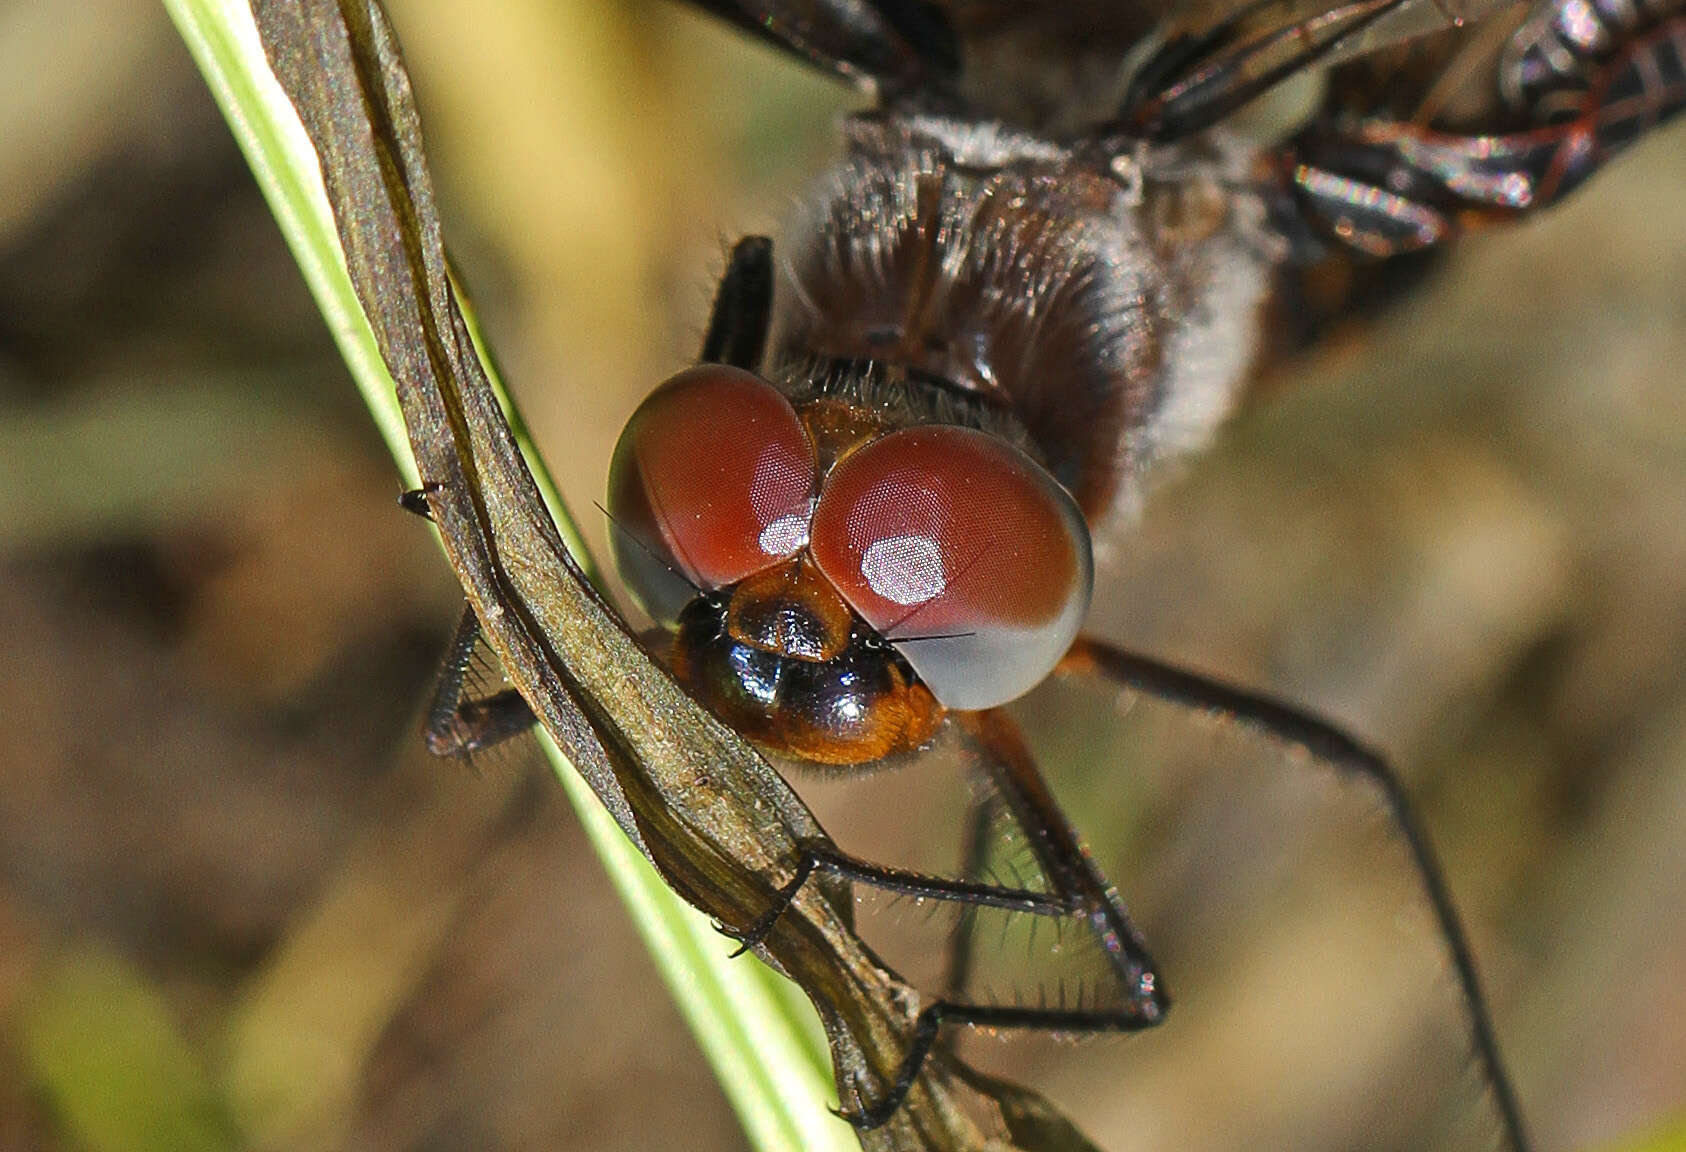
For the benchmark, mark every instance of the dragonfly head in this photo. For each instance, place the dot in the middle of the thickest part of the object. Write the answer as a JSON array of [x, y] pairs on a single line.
[[837, 580]]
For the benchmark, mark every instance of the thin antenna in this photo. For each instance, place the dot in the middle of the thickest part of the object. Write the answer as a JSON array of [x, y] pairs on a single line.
[[646, 548]]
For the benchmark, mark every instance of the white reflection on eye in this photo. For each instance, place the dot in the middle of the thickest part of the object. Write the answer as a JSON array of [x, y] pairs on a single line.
[[784, 536], [907, 570]]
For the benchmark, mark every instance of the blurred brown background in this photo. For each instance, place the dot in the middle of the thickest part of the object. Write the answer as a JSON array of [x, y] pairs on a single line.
[[239, 907]]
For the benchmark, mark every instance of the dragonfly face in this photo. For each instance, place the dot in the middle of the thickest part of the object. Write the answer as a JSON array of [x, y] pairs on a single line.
[[840, 570]]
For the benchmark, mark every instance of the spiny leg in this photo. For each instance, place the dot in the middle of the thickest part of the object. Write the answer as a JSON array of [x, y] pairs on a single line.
[[1288, 725], [455, 726], [1179, 54], [1003, 757], [824, 856], [1144, 1004], [1076, 891], [928, 1026], [1194, 82], [461, 727]]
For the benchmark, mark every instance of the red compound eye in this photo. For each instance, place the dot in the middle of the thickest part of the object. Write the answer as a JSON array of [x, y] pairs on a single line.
[[969, 557], [713, 479]]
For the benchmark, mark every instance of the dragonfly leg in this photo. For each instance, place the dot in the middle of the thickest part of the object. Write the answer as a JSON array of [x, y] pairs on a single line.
[[460, 727], [1387, 187], [1075, 892], [1143, 1005], [1181, 54], [1298, 729], [743, 305], [824, 856], [927, 1027], [1194, 82], [455, 726]]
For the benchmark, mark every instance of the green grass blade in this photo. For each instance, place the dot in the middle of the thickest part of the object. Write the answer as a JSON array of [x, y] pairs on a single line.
[[763, 1043]]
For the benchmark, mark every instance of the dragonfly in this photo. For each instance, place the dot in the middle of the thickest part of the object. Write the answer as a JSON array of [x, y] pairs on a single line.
[[1041, 270]]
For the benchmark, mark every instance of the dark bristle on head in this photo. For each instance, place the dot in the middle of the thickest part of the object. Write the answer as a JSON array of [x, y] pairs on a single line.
[[904, 397]]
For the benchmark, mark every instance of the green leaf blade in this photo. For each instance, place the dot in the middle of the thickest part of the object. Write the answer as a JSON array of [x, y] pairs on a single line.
[[765, 1045]]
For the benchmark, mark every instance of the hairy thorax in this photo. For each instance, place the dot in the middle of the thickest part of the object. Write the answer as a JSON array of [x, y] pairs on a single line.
[[1108, 301]]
